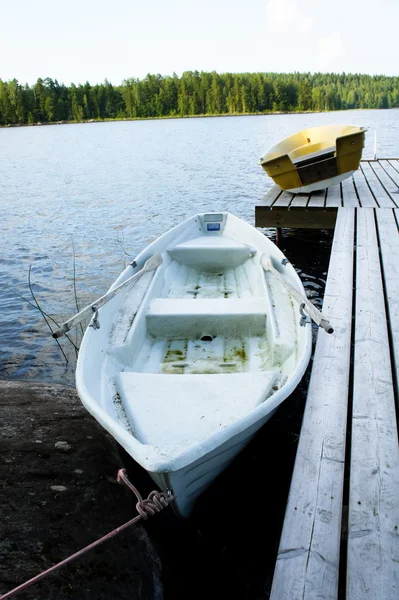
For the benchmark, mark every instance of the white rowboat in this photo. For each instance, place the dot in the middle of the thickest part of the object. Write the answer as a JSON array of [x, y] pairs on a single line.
[[195, 354]]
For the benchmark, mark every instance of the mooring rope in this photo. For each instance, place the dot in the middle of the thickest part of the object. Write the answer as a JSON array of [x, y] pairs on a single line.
[[146, 507]]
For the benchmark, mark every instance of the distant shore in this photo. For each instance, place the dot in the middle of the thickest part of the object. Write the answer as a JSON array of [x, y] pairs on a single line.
[[123, 119]]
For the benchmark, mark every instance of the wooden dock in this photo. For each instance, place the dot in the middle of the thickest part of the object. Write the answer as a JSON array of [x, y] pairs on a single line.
[[374, 185], [340, 538]]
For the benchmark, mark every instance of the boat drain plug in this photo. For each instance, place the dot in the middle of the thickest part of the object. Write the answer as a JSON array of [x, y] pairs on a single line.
[[206, 337]]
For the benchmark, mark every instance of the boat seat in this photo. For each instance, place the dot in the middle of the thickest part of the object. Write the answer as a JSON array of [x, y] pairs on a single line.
[[212, 253], [176, 409], [181, 318], [311, 157]]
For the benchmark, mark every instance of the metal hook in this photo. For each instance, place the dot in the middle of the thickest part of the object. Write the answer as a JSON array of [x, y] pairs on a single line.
[[304, 317], [95, 322]]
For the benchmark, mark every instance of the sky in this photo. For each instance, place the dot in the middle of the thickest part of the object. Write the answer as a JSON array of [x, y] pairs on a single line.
[[94, 40]]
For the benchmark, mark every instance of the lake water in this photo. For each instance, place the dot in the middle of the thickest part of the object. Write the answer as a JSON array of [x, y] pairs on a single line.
[[87, 198], [100, 193]]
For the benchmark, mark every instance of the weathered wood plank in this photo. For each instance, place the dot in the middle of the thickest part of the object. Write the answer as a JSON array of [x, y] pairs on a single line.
[[389, 245], [316, 218], [334, 196], [300, 200], [391, 172], [383, 199], [284, 199], [271, 196], [385, 181], [308, 557], [366, 198], [373, 537], [394, 162], [317, 199], [349, 196]]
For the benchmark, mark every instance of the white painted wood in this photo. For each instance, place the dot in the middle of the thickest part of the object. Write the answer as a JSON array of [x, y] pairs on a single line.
[[334, 196], [308, 556], [373, 536], [366, 198], [271, 196], [349, 196], [383, 199]]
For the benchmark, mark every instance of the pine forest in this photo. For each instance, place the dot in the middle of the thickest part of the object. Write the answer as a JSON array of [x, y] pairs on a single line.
[[194, 93]]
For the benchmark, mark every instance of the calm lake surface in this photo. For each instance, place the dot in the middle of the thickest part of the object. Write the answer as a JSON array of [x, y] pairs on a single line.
[[86, 198]]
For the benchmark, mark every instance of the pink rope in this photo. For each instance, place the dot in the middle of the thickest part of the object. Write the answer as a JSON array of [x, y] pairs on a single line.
[[155, 502]]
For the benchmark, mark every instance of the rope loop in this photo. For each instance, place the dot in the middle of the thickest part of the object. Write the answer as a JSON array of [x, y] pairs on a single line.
[[152, 505]]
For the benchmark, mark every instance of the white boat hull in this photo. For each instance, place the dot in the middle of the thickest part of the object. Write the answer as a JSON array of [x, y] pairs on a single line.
[[188, 483], [320, 185], [190, 362]]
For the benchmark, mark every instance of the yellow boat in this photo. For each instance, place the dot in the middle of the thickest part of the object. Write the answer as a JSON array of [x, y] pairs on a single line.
[[315, 158]]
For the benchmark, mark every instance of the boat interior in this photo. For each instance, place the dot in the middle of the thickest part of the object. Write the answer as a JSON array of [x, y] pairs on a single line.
[[209, 310]]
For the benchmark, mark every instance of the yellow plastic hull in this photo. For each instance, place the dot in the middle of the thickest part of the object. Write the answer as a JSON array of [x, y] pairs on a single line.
[[315, 158]]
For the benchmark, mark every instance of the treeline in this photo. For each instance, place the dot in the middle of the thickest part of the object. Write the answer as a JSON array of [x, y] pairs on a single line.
[[194, 93]]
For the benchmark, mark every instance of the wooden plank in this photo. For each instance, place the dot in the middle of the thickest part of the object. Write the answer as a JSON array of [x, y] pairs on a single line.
[[385, 181], [308, 556], [371, 160], [366, 198], [271, 196], [393, 174], [388, 236], [284, 199], [334, 196], [383, 199], [317, 199], [300, 200], [394, 162], [349, 196], [373, 536], [316, 218]]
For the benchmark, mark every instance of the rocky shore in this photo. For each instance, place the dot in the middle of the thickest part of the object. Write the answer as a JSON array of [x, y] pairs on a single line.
[[58, 493]]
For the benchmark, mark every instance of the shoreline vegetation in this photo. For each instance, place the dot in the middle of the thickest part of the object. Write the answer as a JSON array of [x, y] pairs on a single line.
[[194, 94]]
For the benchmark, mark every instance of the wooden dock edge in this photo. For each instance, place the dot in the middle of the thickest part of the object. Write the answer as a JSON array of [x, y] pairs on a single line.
[[340, 536], [296, 217]]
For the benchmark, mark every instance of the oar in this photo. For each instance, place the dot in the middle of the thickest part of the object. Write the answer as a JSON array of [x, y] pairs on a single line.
[[312, 311], [150, 265]]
